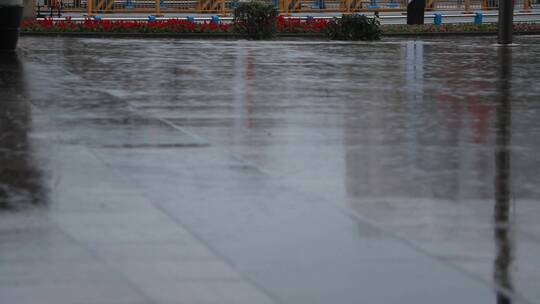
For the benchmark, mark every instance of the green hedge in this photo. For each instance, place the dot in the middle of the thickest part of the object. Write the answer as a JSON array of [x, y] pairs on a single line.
[[354, 27], [255, 20]]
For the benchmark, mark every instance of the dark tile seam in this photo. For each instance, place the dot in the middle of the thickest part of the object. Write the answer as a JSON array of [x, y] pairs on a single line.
[[349, 213]]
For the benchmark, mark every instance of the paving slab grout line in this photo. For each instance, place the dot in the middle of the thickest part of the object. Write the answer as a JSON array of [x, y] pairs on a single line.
[[349, 213], [162, 210], [81, 245], [363, 220], [372, 224], [180, 224], [98, 258]]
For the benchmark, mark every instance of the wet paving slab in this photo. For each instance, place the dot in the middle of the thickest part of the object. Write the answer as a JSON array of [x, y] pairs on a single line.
[[168, 171]]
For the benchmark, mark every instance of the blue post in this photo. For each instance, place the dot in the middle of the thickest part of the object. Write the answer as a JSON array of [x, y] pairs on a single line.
[[151, 18], [162, 4], [129, 4], [190, 18], [373, 4], [392, 3], [215, 19], [275, 3], [478, 18], [437, 20], [321, 4]]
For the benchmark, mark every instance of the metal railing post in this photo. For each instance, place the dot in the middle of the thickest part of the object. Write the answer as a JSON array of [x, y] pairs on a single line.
[[468, 6], [284, 6], [158, 8], [89, 7], [526, 7]]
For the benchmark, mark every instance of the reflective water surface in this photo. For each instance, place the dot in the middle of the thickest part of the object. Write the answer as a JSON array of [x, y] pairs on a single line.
[[167, 171]]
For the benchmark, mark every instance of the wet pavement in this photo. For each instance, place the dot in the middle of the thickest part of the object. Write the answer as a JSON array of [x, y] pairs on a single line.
[[169, 171]]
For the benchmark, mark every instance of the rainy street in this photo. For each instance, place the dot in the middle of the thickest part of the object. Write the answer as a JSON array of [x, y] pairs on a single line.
[[284, 172]]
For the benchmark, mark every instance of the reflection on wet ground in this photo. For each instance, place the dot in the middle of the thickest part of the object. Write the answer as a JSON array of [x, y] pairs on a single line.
[[503, 242], [19, 175], [174, 171]]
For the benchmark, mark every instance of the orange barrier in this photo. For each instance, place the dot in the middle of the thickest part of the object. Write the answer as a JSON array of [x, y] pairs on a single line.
[[224, 7]]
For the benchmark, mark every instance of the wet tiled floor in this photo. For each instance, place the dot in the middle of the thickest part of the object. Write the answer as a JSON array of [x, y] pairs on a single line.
[[169, 171]]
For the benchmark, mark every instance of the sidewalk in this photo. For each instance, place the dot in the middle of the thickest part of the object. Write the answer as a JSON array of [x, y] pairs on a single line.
[[171, 172]]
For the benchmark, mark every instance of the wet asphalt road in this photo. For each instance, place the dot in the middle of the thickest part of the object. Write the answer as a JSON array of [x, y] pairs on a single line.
[[169, 171]]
